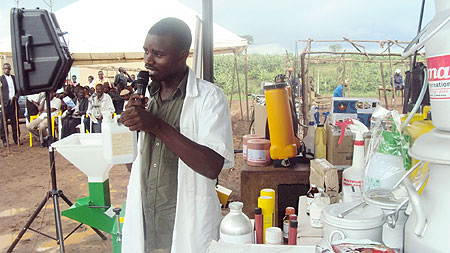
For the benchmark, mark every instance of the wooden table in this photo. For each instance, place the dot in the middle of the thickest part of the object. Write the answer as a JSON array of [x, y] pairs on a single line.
[[288, 183]]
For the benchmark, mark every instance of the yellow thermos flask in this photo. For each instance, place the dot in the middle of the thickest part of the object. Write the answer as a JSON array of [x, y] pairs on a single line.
[[280, 122]]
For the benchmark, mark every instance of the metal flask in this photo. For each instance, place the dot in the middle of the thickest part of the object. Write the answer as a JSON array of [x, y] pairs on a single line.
[[236, 226]]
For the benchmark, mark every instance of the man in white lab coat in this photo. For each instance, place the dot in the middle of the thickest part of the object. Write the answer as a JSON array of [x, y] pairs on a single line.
[[185, 141]]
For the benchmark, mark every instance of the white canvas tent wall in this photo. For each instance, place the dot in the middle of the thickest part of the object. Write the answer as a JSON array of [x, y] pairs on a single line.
[[113, 31]]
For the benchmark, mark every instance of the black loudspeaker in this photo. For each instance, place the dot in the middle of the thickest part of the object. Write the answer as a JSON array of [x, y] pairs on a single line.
[[41, 57]]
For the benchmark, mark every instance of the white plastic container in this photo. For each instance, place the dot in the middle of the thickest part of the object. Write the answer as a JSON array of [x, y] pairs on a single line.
[[361, 223], [310, 138], [274, 236], [383, 171], [395, 222], [315, 210], [119, 143], [236, 227]]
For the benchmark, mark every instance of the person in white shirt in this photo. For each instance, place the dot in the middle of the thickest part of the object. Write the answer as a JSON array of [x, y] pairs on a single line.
[[100, 104], [33, 102], [11, 105], [90, 83], [38, 127], [185, 140]]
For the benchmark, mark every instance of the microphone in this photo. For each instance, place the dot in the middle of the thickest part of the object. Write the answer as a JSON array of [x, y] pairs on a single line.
[[142, 82]]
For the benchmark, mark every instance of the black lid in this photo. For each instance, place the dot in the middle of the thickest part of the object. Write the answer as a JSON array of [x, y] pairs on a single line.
[[275, 86], [293, 224], [258, 210]]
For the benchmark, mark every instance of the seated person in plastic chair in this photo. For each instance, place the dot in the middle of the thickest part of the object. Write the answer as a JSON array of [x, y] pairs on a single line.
[[100, 104], [72, 117], [38, 127]]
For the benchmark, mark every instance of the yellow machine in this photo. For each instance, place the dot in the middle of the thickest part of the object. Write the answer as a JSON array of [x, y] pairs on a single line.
[[280, 122]]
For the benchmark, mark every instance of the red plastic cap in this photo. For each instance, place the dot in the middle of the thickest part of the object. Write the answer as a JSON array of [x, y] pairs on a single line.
[[290, 210]]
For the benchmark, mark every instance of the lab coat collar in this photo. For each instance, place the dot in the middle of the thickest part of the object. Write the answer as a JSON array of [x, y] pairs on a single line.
[[191, 86]]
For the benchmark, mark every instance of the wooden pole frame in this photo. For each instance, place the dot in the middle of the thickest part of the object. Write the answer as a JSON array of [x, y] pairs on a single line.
[[384, 86], [238, 83]]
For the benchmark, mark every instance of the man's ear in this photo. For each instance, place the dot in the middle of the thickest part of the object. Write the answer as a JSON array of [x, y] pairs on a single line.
[[184, 54]]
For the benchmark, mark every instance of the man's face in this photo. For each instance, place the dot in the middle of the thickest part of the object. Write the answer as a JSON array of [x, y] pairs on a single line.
[[74, 79], [80, 93], [7, 69], [125, 97], [90, 79], [100, 90], [162, 58], [105, 88], [100, 75]]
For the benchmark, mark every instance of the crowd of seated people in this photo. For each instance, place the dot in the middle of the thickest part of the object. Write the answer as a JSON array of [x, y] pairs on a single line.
[[77, 104]]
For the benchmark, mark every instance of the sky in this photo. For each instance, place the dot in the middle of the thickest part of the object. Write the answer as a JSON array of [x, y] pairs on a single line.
[[276, 25]]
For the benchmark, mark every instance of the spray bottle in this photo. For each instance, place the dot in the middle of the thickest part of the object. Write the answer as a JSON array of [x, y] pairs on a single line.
[[310, 136], [319, 137], [352, 177]]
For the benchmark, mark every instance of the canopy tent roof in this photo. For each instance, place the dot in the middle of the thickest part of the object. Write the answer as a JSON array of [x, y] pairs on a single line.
[[107, 31]]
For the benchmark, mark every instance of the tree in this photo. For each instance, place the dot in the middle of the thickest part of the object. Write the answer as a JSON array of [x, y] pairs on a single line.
[[335, 48]]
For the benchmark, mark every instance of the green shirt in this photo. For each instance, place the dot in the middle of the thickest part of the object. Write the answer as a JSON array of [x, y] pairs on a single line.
[[159, 171]]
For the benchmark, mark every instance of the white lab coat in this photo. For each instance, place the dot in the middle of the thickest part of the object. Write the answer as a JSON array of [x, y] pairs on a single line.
[[205, 119]]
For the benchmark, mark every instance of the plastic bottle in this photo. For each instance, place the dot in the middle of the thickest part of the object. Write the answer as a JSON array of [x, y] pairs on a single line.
[[266, 204], [316, 209], [310, 196], [352, 177], [271, 193], [274, 236], [293, 225], [310, 133], [259, 225], [119, 143], [320, 142], [236, 226], [289, 211]]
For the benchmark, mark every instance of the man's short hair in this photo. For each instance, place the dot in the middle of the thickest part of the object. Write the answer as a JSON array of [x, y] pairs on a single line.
[[100, 71], [177, 29], [6, 64], [74, 76]]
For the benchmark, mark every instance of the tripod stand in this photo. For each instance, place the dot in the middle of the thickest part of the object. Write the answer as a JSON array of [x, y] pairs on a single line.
[[54, 193]]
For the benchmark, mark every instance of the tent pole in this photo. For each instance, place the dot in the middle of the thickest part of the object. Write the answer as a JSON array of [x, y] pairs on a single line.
[[207, 43], [246, 81], [238, 84]]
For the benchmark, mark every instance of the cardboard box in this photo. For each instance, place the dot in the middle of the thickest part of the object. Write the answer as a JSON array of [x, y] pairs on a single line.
[[342, 154]]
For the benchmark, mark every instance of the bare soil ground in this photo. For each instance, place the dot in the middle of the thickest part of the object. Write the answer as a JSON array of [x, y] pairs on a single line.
[[25, 181]]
